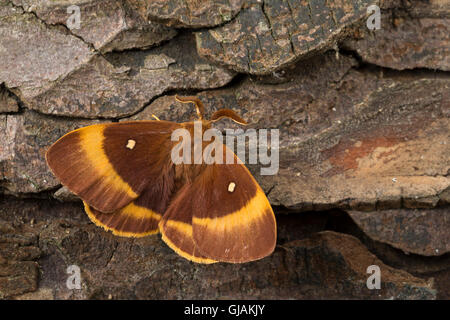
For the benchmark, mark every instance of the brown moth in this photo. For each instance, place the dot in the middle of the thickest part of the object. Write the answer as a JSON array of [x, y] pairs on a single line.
[[129, 184]]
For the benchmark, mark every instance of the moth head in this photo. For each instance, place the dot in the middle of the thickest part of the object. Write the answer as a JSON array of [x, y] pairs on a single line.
[[219, 114]]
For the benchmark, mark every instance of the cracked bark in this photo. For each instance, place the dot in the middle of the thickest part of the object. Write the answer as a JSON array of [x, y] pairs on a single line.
[[364, 151], [181, 15], [106, 25], [288, 47]]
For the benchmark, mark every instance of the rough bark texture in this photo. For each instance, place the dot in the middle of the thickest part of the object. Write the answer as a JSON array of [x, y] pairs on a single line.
[[268, 34], [415, 36], [364, 155], [190, 13], [107, 25]]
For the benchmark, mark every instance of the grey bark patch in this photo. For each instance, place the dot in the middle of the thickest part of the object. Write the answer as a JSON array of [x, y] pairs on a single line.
[[417, 37], [107, 25], [191, 14], [268, 35]]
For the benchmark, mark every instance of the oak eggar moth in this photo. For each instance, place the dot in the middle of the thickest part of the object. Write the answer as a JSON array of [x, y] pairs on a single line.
[[129, 185]]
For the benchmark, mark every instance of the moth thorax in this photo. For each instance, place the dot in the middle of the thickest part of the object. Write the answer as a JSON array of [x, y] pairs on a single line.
[[231, 187], [130, 144]]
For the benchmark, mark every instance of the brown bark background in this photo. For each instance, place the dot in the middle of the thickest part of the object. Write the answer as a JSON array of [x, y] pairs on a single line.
[[364, 141]]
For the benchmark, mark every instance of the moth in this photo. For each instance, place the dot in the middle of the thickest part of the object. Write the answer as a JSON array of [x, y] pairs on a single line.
[[124, 173]]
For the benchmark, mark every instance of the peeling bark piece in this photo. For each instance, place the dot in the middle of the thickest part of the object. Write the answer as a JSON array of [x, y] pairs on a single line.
[[123, 82], [268, 35], [25, 139], [393, 145], [33, 56], [190, 13], [418, 39], [107, 25], [419, 231]]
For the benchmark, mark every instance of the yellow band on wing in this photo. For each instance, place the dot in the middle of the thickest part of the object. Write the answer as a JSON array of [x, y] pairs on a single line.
[[255, 209], [185, 229], [149, 214], [138, 212], [182, 227], [91, 141]]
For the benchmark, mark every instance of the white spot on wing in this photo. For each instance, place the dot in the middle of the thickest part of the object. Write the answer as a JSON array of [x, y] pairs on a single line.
[[231, 186], [130, 144]]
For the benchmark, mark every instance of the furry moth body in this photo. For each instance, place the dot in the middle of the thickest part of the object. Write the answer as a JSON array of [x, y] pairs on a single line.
[[124, 174]]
